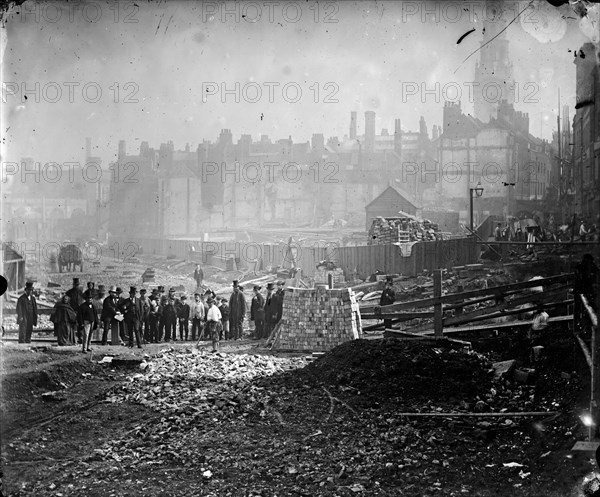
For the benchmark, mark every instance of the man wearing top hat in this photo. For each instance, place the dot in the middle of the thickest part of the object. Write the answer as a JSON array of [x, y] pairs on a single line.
[[257, 312], [237, 311], [26, 313], [270, 310], [279, 295], [388, 297], [169, 316], [183, 316], [145, 321], [88, 319], [97, 301], [154, 316], [131, 308], [75, 295], [110, 309]]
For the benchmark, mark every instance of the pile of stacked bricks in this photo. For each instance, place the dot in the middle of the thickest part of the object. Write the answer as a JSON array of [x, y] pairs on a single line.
[[385, 231], [318, 319]]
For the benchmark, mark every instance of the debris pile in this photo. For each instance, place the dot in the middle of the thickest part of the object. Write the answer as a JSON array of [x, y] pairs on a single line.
[[385, 231], [191, 383]]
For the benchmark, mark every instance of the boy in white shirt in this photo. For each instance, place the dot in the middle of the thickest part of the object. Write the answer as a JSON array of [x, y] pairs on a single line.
[[213, 322]]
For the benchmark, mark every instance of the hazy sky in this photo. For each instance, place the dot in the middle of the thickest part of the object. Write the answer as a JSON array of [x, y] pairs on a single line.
[[162, 63]]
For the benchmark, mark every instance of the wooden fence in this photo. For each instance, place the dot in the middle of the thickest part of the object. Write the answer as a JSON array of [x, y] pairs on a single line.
[[389, 259], [361, 261]]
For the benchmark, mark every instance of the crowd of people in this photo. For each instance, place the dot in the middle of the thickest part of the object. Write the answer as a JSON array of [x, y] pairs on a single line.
[[154, 318], [578, 230]]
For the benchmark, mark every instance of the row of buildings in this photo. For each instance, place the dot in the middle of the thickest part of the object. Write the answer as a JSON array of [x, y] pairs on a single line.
[[233, 184]]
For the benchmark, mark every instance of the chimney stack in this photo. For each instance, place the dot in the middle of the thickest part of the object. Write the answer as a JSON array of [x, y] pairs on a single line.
[[369, 132], [353, 125]]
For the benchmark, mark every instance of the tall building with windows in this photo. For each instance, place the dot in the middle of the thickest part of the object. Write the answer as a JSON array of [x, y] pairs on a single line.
[[493, 82]]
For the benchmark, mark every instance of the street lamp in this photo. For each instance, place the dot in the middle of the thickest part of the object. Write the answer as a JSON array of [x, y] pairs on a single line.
[[478, 192]]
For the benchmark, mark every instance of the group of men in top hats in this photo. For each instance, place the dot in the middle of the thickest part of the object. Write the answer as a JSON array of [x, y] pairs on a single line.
[[267, 311], [149, 319]]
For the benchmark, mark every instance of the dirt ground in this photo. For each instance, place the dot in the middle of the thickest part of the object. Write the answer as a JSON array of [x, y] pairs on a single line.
[[331, 428]]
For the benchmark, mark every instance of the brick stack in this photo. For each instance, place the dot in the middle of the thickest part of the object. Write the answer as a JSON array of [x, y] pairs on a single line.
[[318, 319], [382, 233]]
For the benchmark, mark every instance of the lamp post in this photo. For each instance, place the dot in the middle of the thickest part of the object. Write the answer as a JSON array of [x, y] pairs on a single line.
[[478, 192]]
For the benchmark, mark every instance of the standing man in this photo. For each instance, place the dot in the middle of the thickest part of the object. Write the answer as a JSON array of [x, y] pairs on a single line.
[[270, 310], [132, 312], [98, 300], [145, 321], [110, 310], [224, 309], [198, 276], [498, 233], [154, 317], [169, 317], [183, 315], [388, 297], [257, 313], [91, 286], [75, 300], [279, 295], [26, 313], [237, 311], [198, 314], [88, 319], [122, 327]]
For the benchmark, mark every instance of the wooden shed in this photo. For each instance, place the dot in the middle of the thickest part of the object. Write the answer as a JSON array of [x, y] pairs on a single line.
[[388, 204], [14, 267]]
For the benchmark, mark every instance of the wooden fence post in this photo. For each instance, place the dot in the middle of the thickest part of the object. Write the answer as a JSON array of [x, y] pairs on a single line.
[[437, 308]]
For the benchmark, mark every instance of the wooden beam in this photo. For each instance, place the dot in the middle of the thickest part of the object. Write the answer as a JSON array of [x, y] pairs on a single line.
[[475, 414], [590, 311], [585, 350], [400, 316], [501, 307], [493, 291], [460, 305], [466, 318], [566, 244], [493, 326], [438, 325]]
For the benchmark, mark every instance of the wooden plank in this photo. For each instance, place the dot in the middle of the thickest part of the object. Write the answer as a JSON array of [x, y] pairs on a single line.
[[498, 290], [465, 318], [497, 326], [501, 307], [400, 316], [590, 311], [586, 446], [437, 310], [475, 414], [585, 350], [460, 305], [595, 384]]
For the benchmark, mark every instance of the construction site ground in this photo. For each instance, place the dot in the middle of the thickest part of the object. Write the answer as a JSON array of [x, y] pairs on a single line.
[[248, 422]]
